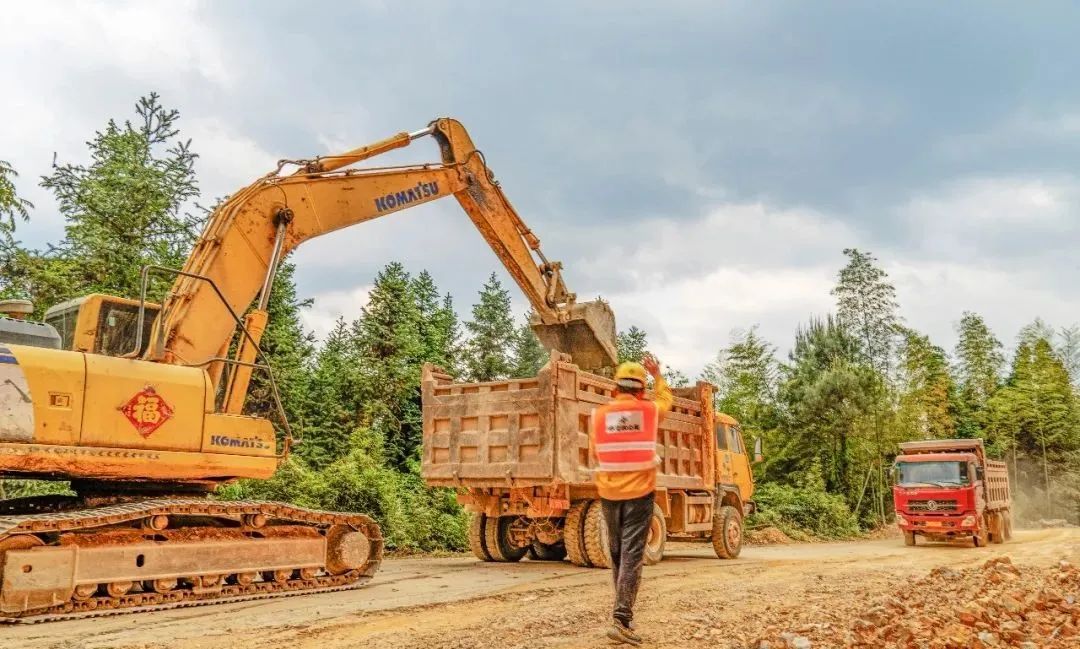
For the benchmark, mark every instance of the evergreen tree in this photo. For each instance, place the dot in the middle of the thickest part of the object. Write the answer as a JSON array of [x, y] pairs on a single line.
[[745, 374], [866, 305], [927, 393], [1037, 330], [978, 373], [287, 347], [123, 209], [1036, 415], [1069, 350], [438, 322], [11, 205], [332, 407], [675, 378], [631, 345], [390, 351], [491, 334], [830, 397], [529, 355]]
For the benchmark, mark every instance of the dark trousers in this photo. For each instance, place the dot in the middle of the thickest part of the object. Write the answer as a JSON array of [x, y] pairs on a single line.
[[628, 530]]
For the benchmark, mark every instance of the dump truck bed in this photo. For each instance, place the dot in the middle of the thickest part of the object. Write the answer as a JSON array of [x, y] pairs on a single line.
[[535, 431]]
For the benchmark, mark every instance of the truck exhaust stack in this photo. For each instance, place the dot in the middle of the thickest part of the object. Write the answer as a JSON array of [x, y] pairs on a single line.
[[588, 335]]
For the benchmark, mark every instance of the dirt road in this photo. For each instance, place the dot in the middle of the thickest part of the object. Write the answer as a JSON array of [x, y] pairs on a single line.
[[691, 599]]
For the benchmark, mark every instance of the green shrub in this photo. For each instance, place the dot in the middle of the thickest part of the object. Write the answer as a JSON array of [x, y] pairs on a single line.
[[799, 511], [411, 515]]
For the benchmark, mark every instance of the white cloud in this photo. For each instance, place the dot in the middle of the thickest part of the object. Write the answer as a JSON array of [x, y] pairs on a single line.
[[331, 305]]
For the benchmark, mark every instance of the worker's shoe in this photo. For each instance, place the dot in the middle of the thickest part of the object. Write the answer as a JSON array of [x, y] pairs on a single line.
[[620, 632]]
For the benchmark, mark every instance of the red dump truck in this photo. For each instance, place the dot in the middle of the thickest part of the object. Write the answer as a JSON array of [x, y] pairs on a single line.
[[518, 453], [947, 489]]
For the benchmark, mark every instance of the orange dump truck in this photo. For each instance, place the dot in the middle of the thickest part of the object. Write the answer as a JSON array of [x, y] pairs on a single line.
[[948, 489], [518, 453]]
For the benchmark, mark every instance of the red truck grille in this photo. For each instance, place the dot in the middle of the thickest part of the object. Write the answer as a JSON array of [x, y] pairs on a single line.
[[931, 505]]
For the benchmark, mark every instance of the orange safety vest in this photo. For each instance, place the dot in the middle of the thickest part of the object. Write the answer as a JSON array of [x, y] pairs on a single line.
[[624, 434]]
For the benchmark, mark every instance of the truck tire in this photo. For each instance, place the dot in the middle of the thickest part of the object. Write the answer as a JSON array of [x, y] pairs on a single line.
[[654, 543], [596, 537], [544, 552], [497, 540], [909, 538], [727, 533], [476, 537], [997, 528], [574, 533], [1008, 524], [981, 538]]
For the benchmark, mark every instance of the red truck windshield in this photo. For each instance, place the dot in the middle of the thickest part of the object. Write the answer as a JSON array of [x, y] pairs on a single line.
[[938, 474]]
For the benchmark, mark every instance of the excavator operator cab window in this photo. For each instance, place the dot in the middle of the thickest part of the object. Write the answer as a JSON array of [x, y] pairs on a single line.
[[101, 324], [117, 328]]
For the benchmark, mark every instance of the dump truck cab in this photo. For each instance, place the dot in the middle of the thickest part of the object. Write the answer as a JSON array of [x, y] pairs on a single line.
[[734, 477]]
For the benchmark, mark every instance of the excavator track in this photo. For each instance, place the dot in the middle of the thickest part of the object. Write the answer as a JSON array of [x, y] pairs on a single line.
[[145, 527]]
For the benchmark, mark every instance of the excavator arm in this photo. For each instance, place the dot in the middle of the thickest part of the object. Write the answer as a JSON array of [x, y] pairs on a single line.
[[242, 244]]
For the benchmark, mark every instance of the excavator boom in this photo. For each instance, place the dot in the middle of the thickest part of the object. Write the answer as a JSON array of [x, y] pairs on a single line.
[[247, 235]]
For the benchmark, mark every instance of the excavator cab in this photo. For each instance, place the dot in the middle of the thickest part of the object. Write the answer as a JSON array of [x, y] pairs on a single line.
[[587, 334], [101, 324]]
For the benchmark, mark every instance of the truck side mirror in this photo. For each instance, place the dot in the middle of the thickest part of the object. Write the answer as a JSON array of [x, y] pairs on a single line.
[[758, 457], [979, 473]]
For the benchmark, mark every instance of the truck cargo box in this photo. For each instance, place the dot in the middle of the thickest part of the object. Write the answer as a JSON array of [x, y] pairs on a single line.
[[535, 431]]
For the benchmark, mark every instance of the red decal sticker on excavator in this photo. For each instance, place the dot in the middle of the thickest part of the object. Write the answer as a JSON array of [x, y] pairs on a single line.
[[147, 411]]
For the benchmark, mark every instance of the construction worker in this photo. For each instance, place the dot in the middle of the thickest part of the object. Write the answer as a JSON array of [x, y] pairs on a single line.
[[624, 443]]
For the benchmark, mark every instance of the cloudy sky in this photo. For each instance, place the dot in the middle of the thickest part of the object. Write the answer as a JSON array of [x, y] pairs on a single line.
[[700, 165]]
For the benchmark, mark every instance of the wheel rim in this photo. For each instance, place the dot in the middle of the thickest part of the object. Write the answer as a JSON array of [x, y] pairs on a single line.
[[733, 534]]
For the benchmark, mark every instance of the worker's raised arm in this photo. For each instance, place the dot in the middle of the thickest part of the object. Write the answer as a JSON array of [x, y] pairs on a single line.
[[662, 396]]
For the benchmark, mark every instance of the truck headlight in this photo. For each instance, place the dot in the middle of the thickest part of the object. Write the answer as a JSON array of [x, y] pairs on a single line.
[[969, 521], [900, 520]]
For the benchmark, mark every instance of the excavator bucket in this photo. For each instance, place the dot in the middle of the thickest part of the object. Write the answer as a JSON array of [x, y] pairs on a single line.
[[588, 335]]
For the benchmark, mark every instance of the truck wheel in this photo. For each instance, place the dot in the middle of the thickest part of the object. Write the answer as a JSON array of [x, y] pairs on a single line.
[[1008, 524], [544, 552], [997, 534], [476, 537], [574, 533], [497, 540], [727, 533], [909, 538], [596, 537], [654, 544], [981, 538]]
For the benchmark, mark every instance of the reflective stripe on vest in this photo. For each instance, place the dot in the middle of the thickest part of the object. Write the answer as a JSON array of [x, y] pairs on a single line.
[[624, 435]]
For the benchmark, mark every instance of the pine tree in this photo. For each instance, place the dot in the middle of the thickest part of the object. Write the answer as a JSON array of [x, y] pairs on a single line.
[[390, 351], [1037, 415], [491, 334], [745, 374], [978, 373], [675, 378], [866, 305], [632, 345], [11, 205], [124, 209], [529, 355], [927, 392], [438, 322], [332, 407], [830, 397], [1068, 349], [287, 347]]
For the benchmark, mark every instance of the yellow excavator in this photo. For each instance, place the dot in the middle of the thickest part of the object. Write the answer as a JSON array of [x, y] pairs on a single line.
[[141, 406]]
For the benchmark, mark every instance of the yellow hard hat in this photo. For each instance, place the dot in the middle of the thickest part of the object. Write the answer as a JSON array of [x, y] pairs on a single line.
[[630, 375]]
